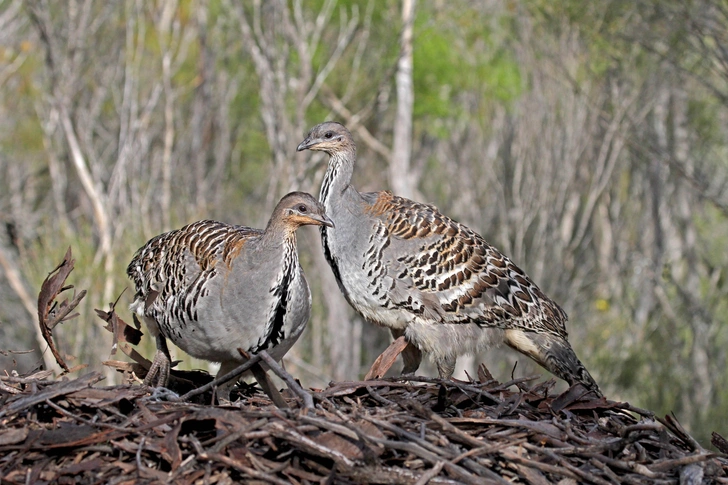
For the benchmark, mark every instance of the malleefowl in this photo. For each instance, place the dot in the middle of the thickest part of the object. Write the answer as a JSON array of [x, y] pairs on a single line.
[[212, 288], [404, 265]]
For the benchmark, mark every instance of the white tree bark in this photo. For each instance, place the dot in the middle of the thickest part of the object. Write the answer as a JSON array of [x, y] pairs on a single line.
[[97, 198], [168, 10], [400, 178]]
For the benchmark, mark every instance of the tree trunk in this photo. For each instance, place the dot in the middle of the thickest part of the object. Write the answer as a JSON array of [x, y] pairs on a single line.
[[400, 178]]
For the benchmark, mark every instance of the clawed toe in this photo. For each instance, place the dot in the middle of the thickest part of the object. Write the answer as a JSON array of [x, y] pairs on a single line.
[[158, 374], [223, 393]]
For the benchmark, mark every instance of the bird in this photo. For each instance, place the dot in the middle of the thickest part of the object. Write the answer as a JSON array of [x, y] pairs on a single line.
[[406, 266], [213, 288]]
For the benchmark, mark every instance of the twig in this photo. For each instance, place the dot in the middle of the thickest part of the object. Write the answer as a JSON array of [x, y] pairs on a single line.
[[337, 428], [9, 389], [51, 392], [457, 432], [488, 450], [288, 378], [140, 465], [544, 467], [38, 376], [16, 352], [265, 383], [96, 424], [460, 385], [478, 391], [641, 427], [662, 466], [459, 472], [239, 466], [606, 470], [410, 436], [430, 474], [282, 431], [642, 412], [565, 464], [378, 397], [261, 376], [629, 466], [448, 454], [671, 422], [191, 460], [222, 379], [236, 435], [515, 382]]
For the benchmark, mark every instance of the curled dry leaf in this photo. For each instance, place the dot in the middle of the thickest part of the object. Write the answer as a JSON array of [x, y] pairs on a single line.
[[51, 312], [385, 361], [122, 331]]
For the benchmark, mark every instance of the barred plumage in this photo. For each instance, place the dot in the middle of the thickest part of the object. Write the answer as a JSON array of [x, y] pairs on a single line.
[[212, 287], [404, 265]]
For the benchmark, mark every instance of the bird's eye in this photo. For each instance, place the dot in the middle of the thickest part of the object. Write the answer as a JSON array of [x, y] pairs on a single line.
[[328, 135], [302, 208]]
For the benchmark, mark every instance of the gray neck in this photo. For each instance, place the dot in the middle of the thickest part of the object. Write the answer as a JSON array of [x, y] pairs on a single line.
[[337, 179], [278, 233], [337, 196], [274, 330]]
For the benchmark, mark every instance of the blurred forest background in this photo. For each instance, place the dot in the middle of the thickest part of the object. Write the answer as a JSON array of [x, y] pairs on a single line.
[[587, 140]]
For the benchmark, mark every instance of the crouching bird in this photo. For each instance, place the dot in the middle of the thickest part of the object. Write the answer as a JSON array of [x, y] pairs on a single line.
[[405, 266], [212, 288]]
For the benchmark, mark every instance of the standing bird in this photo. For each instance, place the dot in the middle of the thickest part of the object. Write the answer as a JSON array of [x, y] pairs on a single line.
[[404, 265], [212, 288]]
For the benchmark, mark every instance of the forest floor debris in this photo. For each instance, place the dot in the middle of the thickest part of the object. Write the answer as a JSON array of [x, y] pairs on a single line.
[[407, 429], [392, 430]]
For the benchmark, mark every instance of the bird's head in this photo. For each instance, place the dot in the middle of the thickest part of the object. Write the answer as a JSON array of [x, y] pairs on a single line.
[[301, 209], [329, 137]]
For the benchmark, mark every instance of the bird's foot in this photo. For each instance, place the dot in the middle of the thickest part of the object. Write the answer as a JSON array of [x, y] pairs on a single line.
[[223, 395], [445, 367], [158, 374], [222, 391]]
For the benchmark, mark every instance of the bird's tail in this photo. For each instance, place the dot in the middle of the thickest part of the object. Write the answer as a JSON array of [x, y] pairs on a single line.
[[555, 354]]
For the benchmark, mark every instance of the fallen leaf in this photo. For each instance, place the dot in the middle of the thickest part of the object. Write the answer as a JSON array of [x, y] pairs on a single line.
[[13, 436], [385, 361], [335, 442]]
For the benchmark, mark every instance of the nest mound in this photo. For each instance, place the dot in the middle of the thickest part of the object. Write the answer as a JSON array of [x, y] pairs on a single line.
[[394, 430]]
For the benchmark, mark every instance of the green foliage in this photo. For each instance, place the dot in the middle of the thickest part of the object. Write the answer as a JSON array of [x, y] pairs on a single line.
[[604, 27], [702, 113], [460, 53]]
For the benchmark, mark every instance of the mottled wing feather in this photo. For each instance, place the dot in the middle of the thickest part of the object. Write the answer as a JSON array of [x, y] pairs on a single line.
[[426, 263], [177, 265]]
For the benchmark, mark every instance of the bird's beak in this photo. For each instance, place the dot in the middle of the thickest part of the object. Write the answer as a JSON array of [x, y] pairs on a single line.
[[325, 220], [305, 144]]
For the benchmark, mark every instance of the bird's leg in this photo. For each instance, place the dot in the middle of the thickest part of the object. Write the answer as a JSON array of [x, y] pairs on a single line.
[[158, 373], [411, 355], [223, 390], [445, 367]]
